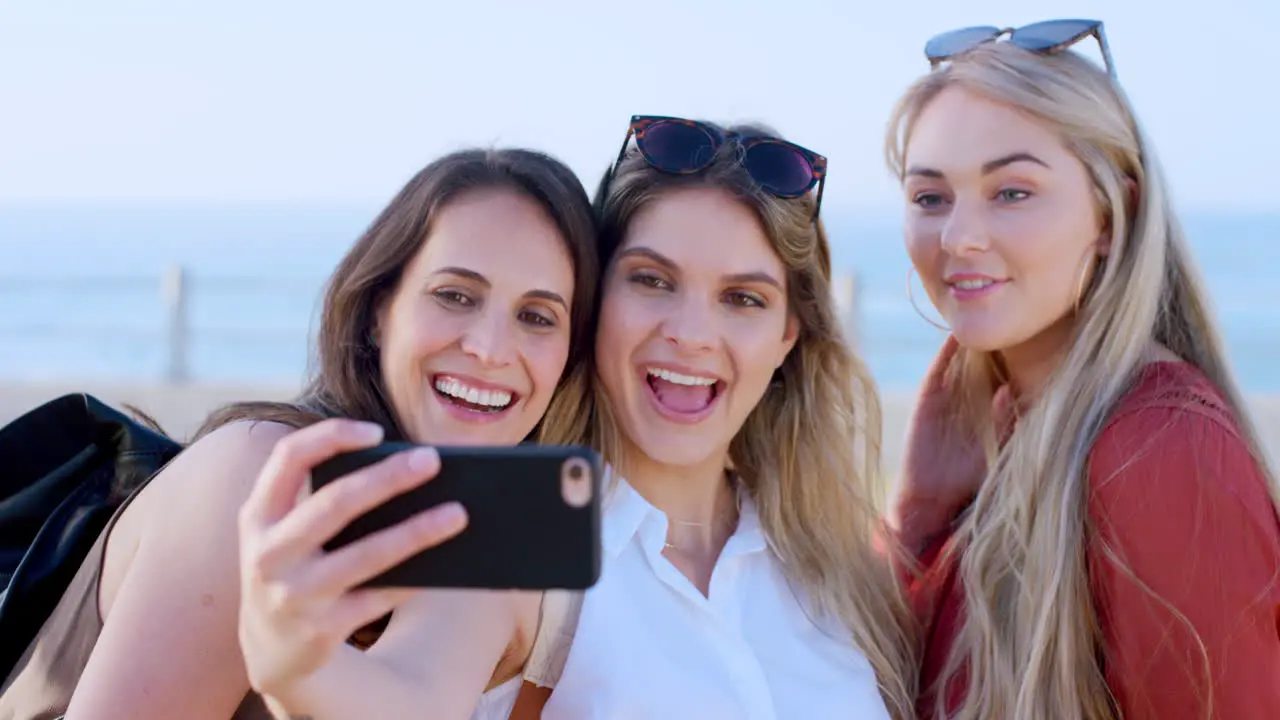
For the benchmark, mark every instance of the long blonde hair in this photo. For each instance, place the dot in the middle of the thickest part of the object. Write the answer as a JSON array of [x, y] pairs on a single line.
[[818, 495], [1030, 642]]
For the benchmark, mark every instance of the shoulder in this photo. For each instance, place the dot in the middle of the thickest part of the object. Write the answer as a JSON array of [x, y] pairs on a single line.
[[233, 448], [217, 472], [241, 441], [1172, 440], [1168, 404], [190, 506]]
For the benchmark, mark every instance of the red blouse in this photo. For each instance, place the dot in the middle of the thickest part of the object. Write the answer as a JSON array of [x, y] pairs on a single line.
[[1174, 491]]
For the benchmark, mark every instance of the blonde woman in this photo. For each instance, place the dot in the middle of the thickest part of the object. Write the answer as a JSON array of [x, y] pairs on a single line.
[[1122, 556], [740, 576]]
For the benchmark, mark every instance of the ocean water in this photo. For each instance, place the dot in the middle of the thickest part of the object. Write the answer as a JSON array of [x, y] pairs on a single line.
[[81, 290]]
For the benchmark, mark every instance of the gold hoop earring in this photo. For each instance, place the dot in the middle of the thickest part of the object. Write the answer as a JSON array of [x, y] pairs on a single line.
[[911, 299], [1081, 285]]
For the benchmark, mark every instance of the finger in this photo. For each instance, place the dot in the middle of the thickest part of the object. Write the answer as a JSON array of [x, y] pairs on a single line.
[[321, 515], [290, 463], [378, 552], [361, 607]]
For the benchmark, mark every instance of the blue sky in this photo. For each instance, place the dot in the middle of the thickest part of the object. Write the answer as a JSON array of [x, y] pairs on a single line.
[[339, 102]]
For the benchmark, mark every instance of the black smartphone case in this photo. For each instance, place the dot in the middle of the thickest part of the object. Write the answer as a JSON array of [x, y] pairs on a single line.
[[521, 533]]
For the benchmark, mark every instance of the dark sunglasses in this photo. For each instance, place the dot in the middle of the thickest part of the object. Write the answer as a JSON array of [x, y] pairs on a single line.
[[1049, 36], [682, 147]]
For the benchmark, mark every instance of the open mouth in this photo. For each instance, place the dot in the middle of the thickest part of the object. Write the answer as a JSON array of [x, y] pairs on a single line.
[[680, 396], [460, 394]]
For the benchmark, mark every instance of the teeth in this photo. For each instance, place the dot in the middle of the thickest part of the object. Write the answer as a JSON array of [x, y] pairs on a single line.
[[973, 284], [475, 396], [677, 378]]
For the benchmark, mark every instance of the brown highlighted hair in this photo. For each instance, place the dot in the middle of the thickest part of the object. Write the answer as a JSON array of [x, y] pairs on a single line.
[[346, 380]]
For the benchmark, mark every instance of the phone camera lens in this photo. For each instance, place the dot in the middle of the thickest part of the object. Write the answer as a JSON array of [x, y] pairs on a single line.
[[575, 472]]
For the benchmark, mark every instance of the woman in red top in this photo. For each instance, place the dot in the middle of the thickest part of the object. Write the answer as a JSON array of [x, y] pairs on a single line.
[[1121, 558]]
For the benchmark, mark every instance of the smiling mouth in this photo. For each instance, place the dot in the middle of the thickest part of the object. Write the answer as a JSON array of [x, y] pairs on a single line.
[[458, 393], [974, 288], [683, 394]]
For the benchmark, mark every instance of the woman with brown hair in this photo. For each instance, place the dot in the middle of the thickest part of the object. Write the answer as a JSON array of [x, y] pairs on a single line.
[[455, 319], [741, 574]]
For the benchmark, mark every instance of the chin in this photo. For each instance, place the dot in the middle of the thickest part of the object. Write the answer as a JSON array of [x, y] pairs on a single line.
[[979, 342], [447, 431], [479, 439], [982, 336], [674, 449]]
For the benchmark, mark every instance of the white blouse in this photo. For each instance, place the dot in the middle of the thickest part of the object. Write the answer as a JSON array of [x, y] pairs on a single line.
[[648, 644], [497, 703]]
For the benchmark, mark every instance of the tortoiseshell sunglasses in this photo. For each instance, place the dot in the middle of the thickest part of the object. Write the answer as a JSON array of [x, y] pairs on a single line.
[[1049, 36], [681, 147]]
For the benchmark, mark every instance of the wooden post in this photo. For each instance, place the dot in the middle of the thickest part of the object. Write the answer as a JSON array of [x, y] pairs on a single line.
[[846, 288], [174, 292]]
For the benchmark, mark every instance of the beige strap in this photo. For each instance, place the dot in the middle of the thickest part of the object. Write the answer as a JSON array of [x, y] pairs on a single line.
[[557, 622]]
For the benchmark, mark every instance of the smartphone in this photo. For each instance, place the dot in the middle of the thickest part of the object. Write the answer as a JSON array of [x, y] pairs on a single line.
[[533, 517]]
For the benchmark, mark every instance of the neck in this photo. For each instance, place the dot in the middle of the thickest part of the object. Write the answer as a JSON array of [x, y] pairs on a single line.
[[698, 500]]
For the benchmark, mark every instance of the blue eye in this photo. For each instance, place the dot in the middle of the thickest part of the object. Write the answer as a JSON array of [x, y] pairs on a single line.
[[1011, 195]]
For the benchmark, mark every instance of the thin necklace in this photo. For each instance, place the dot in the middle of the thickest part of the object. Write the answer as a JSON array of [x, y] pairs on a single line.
[[726, 519]]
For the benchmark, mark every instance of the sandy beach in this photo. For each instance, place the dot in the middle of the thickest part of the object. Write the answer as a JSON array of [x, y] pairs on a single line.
[[181, 408]]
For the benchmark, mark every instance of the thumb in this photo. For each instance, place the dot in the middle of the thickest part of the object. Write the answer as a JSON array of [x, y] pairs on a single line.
[[935, 379]]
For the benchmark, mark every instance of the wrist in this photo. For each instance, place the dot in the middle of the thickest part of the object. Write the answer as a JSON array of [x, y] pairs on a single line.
[[921, 520], [917, 509], [291, 701]]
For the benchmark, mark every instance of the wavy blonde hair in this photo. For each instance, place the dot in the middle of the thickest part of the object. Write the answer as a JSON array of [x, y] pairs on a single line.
[[809, 453], [1030, 642]]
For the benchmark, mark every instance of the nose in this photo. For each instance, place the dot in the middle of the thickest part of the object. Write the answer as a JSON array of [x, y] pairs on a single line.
[[490, 339], [691, 326], [965, 230]]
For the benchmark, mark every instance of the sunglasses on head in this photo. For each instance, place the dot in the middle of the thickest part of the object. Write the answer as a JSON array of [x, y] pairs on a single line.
[[1049, 36], [682, 147]]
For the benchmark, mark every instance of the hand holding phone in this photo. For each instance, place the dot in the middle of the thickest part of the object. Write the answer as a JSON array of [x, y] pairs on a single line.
[[533, 517], [298, 603]]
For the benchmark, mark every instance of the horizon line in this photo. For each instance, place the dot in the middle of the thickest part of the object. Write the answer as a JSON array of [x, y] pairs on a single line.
[[876, 210]]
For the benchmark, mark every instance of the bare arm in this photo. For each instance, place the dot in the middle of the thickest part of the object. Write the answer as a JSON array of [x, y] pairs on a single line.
[[168, 647]]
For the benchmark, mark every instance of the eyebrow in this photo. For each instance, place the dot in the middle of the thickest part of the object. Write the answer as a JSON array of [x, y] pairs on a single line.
[[987, 167], [481, 280], [746, 278]]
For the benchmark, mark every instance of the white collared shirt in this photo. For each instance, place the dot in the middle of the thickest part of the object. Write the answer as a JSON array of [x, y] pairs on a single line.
[[648, 644]]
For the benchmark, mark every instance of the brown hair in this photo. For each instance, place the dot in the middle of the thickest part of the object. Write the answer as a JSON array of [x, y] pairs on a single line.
[[817, 494], [346, 380]]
